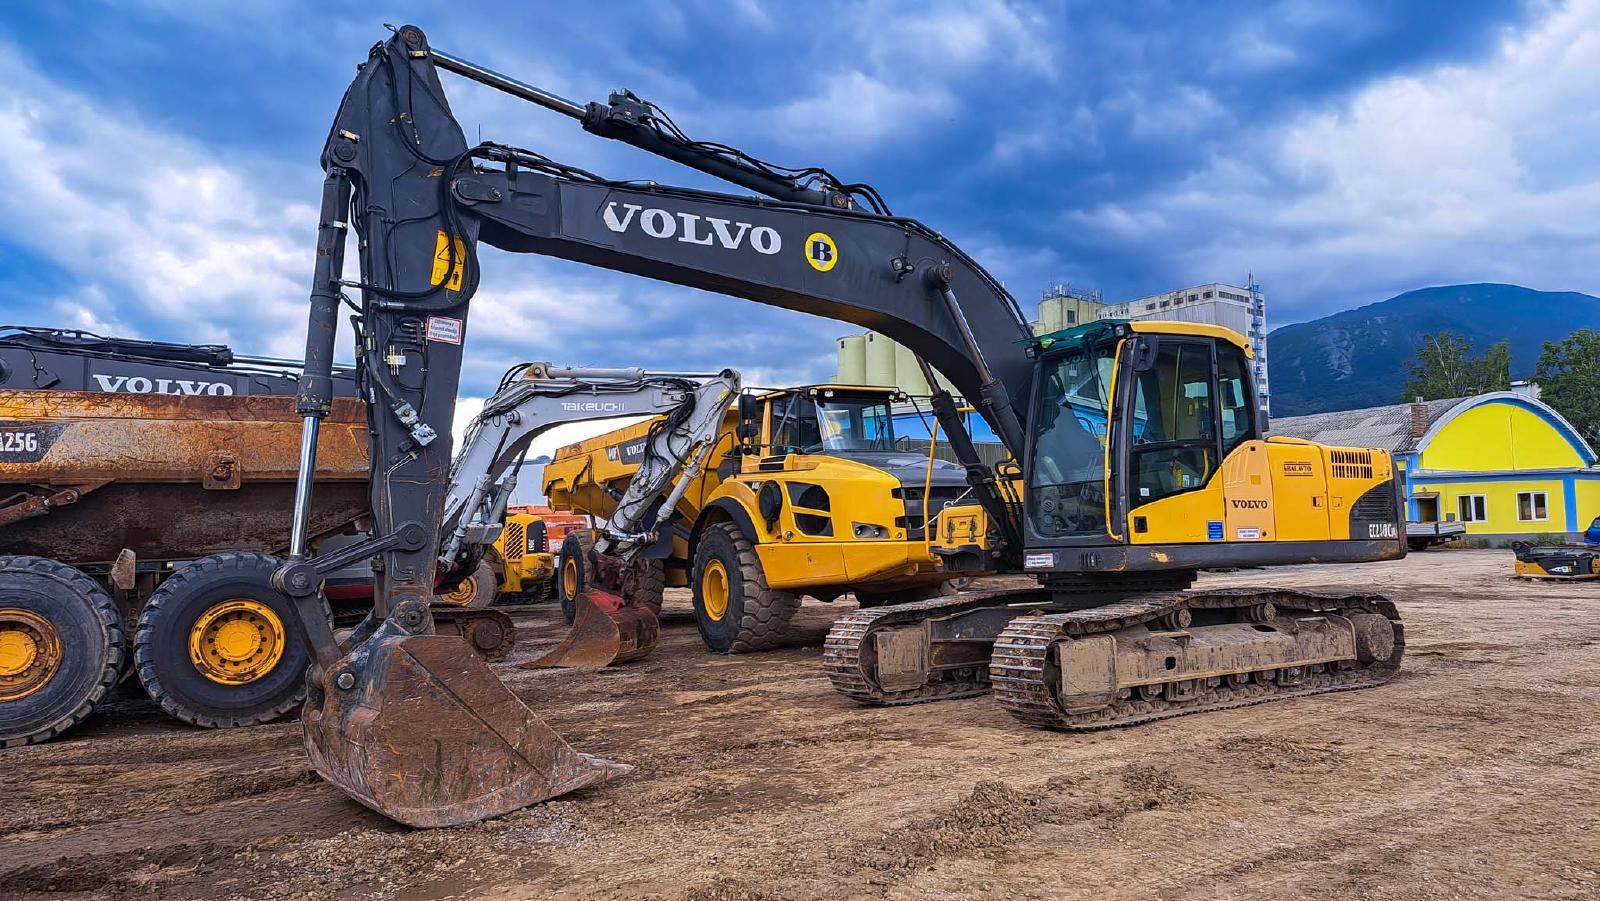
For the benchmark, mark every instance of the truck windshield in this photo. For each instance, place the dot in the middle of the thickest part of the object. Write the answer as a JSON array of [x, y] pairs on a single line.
[[820, 424]]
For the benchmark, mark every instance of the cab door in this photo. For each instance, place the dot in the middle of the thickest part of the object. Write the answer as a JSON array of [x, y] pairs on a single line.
[[1186, 405]]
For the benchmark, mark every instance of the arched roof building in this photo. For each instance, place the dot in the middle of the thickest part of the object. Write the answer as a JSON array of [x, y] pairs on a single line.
[[1504, 463]]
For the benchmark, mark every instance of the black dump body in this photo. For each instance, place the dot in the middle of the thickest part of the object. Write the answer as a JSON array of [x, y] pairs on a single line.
[[45, 359]]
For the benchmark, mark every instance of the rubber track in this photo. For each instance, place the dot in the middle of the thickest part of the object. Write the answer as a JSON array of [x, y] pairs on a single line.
[[117, 647], [1021, 685], [842, 649]]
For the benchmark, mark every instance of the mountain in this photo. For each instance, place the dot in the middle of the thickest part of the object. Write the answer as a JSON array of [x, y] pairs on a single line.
[[1358, 358]]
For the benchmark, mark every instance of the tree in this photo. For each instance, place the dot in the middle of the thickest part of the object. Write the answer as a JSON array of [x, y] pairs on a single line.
[[1568, 376], [1442, 368]]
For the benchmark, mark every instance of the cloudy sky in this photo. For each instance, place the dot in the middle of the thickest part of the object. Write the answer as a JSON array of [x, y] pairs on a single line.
[[158, 158]]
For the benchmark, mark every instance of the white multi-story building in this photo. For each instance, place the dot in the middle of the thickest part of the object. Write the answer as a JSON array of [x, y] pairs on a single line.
[[1242, 309]]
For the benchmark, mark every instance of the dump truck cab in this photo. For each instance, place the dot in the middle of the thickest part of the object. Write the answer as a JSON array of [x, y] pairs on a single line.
[[808, 491]]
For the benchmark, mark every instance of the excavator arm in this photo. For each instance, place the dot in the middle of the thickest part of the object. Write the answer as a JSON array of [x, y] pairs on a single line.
[[485, 472], [423, 200], [606, 627], [406, 722]]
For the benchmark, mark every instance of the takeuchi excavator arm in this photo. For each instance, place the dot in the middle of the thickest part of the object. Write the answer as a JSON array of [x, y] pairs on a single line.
[[399, 171], [544, 396]]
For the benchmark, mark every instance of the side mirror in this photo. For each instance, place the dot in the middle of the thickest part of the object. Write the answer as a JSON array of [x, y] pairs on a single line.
[[748, 431]]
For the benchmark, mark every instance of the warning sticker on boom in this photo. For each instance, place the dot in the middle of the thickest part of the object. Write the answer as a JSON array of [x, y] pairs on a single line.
[[443, 328], [441, 261]]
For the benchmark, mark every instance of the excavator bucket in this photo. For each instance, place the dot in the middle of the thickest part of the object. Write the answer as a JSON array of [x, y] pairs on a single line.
[[419, 729], [605, 630]]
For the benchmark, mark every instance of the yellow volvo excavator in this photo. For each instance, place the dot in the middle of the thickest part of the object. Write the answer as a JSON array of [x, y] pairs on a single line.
[[1139, 447]]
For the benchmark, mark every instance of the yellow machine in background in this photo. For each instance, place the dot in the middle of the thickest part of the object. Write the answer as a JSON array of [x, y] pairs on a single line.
[[1561, 563], [524, 564], [805, 493]]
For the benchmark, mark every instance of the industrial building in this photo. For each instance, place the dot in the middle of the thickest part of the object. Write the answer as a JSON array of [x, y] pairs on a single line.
[[1504, 464]]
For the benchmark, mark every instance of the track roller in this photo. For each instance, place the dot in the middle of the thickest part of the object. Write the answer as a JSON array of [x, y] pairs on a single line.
[[1165, 655]]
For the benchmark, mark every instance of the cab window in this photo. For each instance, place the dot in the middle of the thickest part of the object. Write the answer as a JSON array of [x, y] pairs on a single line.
[[854, 423], [1233, 388], [830, 423], [794, 424], [1175, 447], [1066, 483]]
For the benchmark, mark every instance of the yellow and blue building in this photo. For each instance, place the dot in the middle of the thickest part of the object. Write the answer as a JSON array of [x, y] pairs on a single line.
[[1504, 464]]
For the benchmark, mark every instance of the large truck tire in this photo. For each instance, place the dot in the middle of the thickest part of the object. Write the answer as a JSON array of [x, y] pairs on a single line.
[[733, 607], [574, 570], [218, 647], [475, 591], [62, 647], [869, 598], [645, 584]]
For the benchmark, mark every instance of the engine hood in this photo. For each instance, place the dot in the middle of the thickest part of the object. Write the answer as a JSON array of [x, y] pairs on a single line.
[[910, 468]]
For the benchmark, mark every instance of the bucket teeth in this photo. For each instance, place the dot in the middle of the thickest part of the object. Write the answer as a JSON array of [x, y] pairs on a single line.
[[419, 729], [605, 631]]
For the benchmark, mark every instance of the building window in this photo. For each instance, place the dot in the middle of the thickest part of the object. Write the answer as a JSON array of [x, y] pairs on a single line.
[[1072, 316], [1149, 306], [1473, 507], [1531, 506], [1208, 295]]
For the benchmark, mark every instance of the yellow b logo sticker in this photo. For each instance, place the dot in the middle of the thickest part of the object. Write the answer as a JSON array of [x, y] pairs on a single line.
[[821, 252]]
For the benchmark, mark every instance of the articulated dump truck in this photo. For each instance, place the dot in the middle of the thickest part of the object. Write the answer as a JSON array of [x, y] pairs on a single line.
[[806, 493], [144, 490], [143, 487]]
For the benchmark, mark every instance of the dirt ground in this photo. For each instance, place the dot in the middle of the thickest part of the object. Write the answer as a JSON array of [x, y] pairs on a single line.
[[1475, 774]]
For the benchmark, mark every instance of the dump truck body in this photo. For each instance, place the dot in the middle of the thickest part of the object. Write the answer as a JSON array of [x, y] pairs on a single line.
[[138, 529], [167, 477]]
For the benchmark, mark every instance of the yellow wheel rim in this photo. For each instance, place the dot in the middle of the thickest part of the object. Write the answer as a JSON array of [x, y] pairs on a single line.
[[569, 577], [714, 590], [30, 653], [463, 594], [236, 642]]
